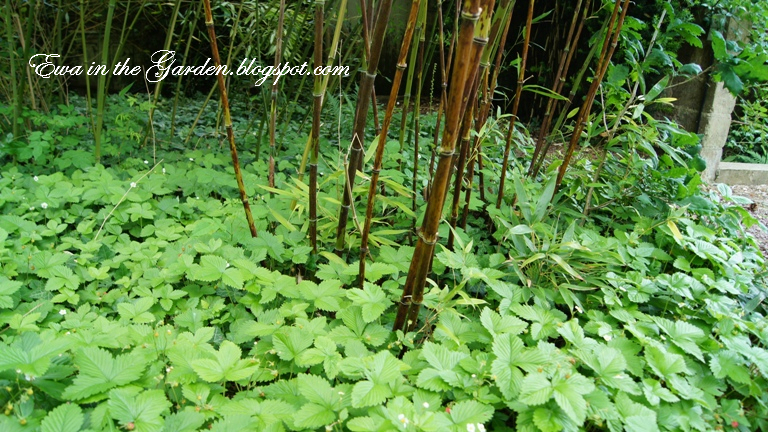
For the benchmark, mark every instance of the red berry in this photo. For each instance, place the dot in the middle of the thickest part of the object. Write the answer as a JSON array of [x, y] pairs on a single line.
[[130, 426], [448, 410], [735, 424]]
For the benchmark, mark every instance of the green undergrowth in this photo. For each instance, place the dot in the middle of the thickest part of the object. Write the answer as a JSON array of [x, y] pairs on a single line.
[[133, 298]]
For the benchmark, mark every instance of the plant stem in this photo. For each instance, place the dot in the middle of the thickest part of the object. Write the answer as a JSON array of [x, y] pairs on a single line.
[[317, 106], [227, 118], [361, 116], [413, 291], [382, 140], [516, 104]]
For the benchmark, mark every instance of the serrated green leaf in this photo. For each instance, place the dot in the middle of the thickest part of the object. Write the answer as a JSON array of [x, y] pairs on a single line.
[[470, 412], [63, 418], [143, 410], [366, 393], [313, 416], [537, 389], [568, 393], [99, 372]]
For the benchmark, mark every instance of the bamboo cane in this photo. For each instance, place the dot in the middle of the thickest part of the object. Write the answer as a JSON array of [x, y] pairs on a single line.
[[413, 291], [557, 86], [479, 43], [361, 115], [273, 99], [516, 104], [586, 108], [101, 91], [317, 107], [498, 42], [227, 118], [16, 127], [417, 115], [382, 140]]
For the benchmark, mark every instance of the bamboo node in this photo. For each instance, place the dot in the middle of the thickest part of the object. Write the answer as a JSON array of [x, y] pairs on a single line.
[[425, 241], [447, 153], [320, 94], [402, 66], [370, 75], [471, 16], [480, 40]]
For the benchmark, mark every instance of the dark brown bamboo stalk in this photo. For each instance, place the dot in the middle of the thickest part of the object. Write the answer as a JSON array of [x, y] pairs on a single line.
[[417, 113], [444, 71], [462, 70], [317, 107], [497, 45], [361, 115], [557, 86], [227, 117], [479, 44], [586, 108], [378, 158], [516, 104], [273, 99]]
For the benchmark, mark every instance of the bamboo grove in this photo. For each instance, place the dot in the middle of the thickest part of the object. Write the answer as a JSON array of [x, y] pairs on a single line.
[[470, 46]]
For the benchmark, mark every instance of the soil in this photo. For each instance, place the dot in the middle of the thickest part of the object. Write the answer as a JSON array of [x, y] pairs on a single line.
[[759, 209]]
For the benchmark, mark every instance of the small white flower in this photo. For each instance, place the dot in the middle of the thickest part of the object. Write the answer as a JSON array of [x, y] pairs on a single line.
[[35, 178], [607, 337], [44, 206], [471, 427], [341, 393], [27, 377], [146, 162], [133, 184], [67, 333], [474, 376], [426, 404], [63, 312], [481, 427], [191, 159], [578, 309], [662, 337], [31, 208], [681, 304], [18, 371], [328, 428], [227, 265], [163, 170], [403, 419]]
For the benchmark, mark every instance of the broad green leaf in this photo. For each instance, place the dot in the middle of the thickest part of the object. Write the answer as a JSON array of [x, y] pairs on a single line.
[[100, 372], [64, 418], [568, 393], [537, 389], [367, 393], [143, 410], [470, 412], [313, 416], [372, 299]]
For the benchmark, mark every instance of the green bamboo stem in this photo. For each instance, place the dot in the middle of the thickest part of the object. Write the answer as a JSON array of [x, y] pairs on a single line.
[[409, 88], [178, 80], [444, 69], [317, 107], [416, 119], [227, 118], [89, 107], [382, 140], [273, 99], [361, 115], [516, 104], [16, 94], [101, 90], [609, 46], [413, 291]]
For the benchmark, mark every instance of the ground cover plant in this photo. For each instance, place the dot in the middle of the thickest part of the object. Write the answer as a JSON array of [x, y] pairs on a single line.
[[547, 290]]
